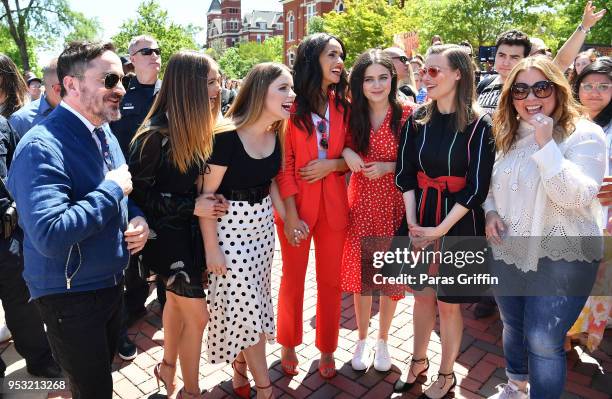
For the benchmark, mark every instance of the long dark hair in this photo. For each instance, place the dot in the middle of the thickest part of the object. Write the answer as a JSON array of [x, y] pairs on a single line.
[[12, 85], [360, 115], [602, 66], [307, 79]]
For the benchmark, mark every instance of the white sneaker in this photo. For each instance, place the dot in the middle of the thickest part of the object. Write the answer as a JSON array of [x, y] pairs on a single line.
[[5, 333], [509, 391], [382, 360], [362, 357]]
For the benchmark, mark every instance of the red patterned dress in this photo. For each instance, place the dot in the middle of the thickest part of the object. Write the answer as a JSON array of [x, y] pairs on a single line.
[[376, 207]]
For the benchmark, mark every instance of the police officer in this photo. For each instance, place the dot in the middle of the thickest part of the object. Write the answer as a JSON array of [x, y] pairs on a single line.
[[22, 317], [145, 57]]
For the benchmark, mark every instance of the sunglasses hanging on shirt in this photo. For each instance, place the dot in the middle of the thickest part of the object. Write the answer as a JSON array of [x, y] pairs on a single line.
[[322, 128]]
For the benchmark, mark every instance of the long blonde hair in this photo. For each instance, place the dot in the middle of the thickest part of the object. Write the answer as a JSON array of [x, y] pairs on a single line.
[[184, 98], [467, 109], [249, 104], [567, 110]]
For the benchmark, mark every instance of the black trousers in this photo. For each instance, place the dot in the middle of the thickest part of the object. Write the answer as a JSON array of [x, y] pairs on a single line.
[[83, 330], [22, 317], [136, 288]]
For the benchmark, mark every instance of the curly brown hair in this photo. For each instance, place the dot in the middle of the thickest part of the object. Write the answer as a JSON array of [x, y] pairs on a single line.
[[567, 110]]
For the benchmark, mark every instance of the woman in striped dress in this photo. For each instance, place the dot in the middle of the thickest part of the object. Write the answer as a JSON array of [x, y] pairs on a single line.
[[444, 168]]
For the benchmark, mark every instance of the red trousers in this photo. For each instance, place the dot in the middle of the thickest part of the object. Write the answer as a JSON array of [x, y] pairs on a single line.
[[329, 244]]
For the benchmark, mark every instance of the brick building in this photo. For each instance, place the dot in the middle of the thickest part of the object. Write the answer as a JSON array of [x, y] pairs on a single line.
[[225, 26], [259, 25], [296, 15]]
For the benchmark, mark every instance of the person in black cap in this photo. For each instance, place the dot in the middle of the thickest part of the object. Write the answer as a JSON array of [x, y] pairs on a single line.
[[128, 70], [34, 85], [145, 61]]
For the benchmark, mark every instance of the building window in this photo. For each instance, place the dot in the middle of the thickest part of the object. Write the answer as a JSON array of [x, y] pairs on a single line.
[[339, 7], [290, 58], [311, 11], [258, 38], [290, 27]]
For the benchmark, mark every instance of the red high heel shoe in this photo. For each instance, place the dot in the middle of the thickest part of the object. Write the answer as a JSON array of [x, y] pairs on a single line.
[[158, 377], [327, 368], [289, 367], [245, 390]]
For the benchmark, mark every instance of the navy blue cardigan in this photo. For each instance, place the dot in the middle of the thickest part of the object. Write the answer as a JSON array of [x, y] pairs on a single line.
[[73, 220]]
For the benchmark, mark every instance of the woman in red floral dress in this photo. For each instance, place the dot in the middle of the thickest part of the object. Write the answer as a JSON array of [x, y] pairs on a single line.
[[376, 207]]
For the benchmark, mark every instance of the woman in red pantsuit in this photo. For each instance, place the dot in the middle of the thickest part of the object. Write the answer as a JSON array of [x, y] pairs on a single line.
[[313, 188]]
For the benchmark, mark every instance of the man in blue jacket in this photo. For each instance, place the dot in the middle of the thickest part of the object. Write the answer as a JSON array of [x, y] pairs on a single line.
[[70, 182], [36, 111]]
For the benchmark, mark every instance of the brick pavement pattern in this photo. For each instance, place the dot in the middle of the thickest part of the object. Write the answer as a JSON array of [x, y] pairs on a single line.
[[479, 368]]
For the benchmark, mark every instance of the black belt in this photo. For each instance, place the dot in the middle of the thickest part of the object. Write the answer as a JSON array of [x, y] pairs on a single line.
[[254, 195]]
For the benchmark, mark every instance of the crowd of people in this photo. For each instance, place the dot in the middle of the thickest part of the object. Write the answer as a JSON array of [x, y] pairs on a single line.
[[120, 179]]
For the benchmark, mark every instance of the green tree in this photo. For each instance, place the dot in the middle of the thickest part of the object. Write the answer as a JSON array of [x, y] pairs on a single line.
[[316, 24], [237, 61], [367, 24], [153, 20], [46, 20], [570, 14], [477, 21], [10, 49]]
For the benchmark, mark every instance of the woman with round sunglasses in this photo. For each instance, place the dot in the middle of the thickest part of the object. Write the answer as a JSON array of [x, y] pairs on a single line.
[[593, 88], [543, 220], [313, 187], [443, 170], [376, 208], [167, 161]]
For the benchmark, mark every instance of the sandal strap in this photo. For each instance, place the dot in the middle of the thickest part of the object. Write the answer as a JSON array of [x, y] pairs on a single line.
[[237, 371], [418, 361], [266, 387], [446, 377], [165, 363]]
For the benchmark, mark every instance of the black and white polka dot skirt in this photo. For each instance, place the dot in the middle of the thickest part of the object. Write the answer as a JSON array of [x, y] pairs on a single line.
[[240, 302]]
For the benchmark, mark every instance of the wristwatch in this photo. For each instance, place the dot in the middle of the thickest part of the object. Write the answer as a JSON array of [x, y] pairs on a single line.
[[582, 28]]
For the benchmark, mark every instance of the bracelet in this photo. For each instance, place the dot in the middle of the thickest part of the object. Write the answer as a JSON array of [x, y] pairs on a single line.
[[582, 28]]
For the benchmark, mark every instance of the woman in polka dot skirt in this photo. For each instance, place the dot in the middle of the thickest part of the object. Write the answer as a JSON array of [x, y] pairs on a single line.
[[376, 207], [240, 245]]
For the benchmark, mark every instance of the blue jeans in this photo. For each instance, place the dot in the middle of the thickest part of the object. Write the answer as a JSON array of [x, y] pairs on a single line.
[[535, 326]]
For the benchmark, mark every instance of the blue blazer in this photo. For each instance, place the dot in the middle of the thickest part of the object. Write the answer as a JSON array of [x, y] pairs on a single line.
[[73, 219]]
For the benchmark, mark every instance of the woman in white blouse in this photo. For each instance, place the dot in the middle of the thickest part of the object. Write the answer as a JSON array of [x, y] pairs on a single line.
[[544, 220]]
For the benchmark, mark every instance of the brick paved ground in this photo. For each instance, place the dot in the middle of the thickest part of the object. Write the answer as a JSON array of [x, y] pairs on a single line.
[[479, 368]]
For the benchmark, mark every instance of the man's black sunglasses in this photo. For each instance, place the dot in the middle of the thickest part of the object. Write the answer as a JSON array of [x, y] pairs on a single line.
[[402, 58], [148, 51], [111, 80]]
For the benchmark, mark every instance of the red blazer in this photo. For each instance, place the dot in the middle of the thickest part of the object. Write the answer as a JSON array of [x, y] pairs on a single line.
[[301, 148]]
